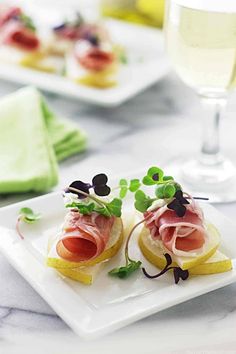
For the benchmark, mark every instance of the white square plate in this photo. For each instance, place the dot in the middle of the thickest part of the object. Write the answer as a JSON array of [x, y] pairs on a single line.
[[110, 303], [147, 64]]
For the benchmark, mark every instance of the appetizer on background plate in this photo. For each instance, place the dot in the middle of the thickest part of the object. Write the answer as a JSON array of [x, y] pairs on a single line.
[[20, 42]]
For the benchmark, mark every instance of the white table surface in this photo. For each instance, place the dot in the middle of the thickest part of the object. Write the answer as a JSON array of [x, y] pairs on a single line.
[[124, 139]]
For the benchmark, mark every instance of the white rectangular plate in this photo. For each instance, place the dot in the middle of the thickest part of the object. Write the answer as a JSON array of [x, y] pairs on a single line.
[[147, 64], [110, 303]]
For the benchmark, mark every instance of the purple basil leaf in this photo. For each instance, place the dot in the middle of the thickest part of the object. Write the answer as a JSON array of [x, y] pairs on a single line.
[[176, 275], [102, 190], [184, 274], [179, 196], [84, 187], [168, 259], [100, 179], [155, 177]]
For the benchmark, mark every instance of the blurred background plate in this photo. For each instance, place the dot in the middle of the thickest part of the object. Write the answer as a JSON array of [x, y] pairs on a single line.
[[146, 65]]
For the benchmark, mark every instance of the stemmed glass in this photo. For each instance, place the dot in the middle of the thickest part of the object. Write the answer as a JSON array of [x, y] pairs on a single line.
[[201, 43]]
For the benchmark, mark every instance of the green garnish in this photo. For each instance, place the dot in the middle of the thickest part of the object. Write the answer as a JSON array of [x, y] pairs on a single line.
[[131, 265], [132, 186], [123, 58], [27, 22], [124, 272], [28, 216]]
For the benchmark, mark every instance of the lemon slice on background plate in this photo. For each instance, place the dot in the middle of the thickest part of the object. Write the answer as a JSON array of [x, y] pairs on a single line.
[[208, 262]]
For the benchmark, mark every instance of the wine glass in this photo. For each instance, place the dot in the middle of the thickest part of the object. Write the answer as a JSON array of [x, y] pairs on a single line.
[[201, 43]]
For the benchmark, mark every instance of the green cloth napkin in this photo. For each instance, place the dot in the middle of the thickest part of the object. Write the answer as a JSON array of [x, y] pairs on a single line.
[[32, 139]]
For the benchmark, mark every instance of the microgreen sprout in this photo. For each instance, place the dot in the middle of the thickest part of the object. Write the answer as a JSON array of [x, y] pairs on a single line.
[[178, 272], [27, 21], [28, 216], [125, 186], [131, 265]]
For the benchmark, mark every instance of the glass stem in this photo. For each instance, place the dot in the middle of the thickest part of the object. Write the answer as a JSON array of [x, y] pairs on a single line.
[[210, 150]]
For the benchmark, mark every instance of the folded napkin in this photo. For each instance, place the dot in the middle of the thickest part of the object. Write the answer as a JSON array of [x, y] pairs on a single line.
[[32, 139]]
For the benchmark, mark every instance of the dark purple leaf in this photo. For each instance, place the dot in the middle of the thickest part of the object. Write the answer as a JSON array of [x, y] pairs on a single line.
[[168, 260], [179, 196], [84, 187], [102, 190], [176, 275], [100, 179], [155, 177]]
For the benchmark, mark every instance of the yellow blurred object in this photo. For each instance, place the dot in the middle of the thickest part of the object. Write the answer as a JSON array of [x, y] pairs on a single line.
[[149, 12], [152, 8]]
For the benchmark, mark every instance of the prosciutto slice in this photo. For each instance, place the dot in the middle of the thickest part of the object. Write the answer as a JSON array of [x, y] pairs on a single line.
[[180, 235], [8, 13], [84, 237], [92, 57], [14, 33]]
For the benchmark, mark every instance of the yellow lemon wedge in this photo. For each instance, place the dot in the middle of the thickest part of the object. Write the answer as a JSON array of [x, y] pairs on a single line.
[[154, 254]]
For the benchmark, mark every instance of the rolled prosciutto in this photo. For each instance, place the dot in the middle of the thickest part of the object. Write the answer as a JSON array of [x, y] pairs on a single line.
[[92, 57], [7, 13], [183, 236], [16, 34], [84, 237]]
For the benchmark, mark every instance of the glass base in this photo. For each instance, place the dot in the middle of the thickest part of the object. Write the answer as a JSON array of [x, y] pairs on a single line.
[[216, 182]]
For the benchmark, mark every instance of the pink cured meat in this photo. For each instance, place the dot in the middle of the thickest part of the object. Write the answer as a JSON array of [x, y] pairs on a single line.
[[185, 233], [14, 33], [84, 237], [8, 13]]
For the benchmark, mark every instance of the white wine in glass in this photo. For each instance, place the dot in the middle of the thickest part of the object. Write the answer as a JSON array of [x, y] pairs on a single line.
[[201, 43]]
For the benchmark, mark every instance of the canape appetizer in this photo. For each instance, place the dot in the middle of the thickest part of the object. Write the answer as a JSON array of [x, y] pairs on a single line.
[[93, 60], [91, 234], [20, 43], [175, 236]]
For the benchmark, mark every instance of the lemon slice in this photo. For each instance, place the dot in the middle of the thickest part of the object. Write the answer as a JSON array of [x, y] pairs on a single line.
[[154, 253], [113, 245]]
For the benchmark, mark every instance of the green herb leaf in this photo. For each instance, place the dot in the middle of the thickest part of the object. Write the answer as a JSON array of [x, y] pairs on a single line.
[[123, 184], [27, 215], [102, 210], [125, 271], [84, 209], [123, 58], [27, 21], [142, 201], [148, 181], [169, 191], [114, 207], [134, 185], [160, 192], [168, 178], [154, 176]]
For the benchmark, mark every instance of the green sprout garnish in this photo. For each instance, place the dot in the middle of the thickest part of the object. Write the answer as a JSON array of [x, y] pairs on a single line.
[[132, 186], [131, 265], [28, 216], [27, 21]]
